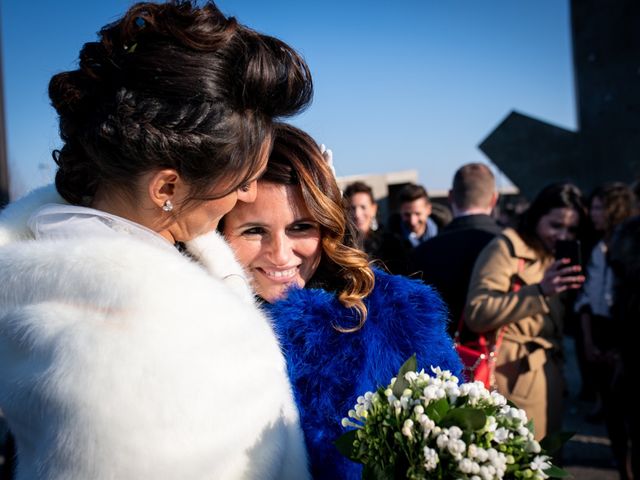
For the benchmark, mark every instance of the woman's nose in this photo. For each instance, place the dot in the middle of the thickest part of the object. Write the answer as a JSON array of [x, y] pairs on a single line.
[[280, 250]]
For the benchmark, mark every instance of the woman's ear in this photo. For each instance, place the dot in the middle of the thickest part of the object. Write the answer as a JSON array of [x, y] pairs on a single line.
[[166, 188]]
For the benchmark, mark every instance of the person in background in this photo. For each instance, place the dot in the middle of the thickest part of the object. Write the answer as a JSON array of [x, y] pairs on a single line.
[[624, 258], [446, 261], [635, 187], [416, 226], [382, 246], [344, 328], [130, 344], [529, 362], [611, 204]]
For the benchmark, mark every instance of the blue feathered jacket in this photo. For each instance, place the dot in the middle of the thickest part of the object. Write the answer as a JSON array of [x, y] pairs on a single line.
[[329, 369]]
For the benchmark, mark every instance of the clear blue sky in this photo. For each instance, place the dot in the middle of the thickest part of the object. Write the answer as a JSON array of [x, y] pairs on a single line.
[[412, 84]]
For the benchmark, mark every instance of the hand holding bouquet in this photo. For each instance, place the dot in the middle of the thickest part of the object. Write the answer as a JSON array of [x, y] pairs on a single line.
[[431, 427]]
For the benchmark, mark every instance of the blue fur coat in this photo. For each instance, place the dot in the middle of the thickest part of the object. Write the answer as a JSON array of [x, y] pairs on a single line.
[[329, 369]]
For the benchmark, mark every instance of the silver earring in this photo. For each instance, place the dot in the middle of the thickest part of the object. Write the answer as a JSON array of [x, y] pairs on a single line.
[[168, 206]]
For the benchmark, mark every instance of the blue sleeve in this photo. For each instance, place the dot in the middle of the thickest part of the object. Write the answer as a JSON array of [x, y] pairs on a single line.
[[417, 320]]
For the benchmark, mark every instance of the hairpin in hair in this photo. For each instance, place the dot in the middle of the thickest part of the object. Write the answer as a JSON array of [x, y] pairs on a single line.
[[140, 23], [327, 154]]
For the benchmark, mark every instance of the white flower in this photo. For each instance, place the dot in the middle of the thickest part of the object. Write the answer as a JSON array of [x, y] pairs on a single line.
[[455, 432], [501, 435], [453, 390], [431, 458], [497, 399], [491, 424], [485, 474], [407, 428], [477, 453], [411, 376], [524, 432], [348, 423], [433, 392], [405, 399], [467, 466], [442, 441], [456, 448], [532, 447], [427, 425], [516, 415], [474, 391], [540, 464]]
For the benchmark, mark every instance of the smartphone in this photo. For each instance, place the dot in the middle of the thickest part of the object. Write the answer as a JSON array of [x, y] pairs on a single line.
[[569, 249]]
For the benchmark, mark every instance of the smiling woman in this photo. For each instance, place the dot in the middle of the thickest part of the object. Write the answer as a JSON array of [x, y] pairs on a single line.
[[343, 326], [282, 247]]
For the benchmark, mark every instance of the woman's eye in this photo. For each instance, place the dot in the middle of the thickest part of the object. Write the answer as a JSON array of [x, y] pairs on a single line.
[[303, 227], [253, 231]]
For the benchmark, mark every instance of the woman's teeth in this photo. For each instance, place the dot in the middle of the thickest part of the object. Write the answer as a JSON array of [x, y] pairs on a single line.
[[281, 273]]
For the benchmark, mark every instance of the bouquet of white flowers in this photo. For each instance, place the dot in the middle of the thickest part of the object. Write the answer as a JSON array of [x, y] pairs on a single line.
[[432, 427]]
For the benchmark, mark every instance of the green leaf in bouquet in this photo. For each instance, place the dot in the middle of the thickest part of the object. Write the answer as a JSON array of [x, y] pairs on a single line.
[[468, 419], [437, 410], [553, 442], [344, 444], [530, 426], [401, 383], [557, 472]]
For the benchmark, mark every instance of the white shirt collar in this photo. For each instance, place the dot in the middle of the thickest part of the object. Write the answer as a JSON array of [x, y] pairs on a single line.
[[55, 220]]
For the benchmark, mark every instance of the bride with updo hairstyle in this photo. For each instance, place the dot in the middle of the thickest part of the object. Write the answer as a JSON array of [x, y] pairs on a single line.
[[130, 344]]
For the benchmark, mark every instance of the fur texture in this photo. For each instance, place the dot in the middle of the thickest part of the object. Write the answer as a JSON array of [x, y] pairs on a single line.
[[329, 369], [121, 360]]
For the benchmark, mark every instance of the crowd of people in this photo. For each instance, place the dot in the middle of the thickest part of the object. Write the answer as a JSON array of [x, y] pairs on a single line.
[[196, 298], [475, 260]]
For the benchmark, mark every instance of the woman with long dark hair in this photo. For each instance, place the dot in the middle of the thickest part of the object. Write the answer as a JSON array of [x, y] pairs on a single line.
[[130, 346], [529, 319]]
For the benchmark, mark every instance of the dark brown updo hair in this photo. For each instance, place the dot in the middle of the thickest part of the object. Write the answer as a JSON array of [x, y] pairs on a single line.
[[176, 86], [296, 160]]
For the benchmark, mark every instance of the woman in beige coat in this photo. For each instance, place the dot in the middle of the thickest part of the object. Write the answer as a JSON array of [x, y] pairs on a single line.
[[529, 362]]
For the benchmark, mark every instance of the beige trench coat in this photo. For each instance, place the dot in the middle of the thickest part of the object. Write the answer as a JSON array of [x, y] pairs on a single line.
[[529, 362]]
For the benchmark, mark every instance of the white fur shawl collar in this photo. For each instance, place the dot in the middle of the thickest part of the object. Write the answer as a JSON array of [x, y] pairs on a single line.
[[121, 361]]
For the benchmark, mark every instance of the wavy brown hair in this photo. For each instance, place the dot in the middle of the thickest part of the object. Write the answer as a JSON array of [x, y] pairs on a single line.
[[173, 85], [618, 201], [296, 160]]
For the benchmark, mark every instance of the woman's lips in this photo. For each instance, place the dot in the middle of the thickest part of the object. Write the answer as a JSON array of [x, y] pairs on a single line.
[[279, 275]]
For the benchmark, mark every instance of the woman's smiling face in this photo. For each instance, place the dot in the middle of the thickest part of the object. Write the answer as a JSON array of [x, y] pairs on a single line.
[[276, 239]]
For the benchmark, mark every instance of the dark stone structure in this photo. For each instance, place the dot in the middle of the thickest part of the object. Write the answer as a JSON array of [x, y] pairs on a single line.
[[606, 147]]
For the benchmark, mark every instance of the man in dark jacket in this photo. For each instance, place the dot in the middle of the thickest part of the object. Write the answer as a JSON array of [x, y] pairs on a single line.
[[446, 261]]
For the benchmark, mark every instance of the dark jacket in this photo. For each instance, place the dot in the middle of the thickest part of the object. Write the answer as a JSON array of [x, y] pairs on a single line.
[[446, 261], [329, 369], [387, 250]]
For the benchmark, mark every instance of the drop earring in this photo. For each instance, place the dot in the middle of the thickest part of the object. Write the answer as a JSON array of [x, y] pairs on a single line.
[[168, 206]]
